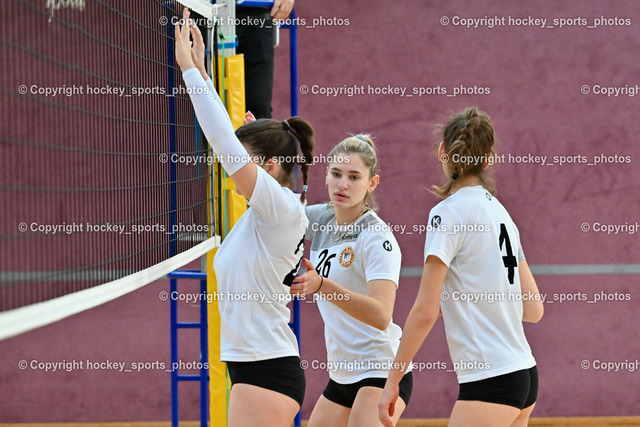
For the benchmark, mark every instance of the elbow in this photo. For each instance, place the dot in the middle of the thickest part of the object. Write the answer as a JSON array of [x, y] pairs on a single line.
[[430, 320], [533, 314], [382, 322], [539, 314], [427, 318]]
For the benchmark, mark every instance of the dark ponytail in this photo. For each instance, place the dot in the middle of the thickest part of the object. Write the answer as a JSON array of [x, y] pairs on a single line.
[[268, 138]]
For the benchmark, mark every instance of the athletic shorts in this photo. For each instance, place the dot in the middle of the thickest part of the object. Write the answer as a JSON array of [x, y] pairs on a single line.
[[283, 375], [518, 389], [345, 394]]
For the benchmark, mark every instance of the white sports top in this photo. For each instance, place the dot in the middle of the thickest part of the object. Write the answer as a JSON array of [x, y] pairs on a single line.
[[355, 350], [472, 233], [261, 253]]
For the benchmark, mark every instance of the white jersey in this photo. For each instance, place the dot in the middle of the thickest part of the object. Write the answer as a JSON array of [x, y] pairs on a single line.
[[261, 253], [473, 234], [368, 251]]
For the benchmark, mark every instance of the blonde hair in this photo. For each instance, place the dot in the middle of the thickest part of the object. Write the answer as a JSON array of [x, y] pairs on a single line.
[[363, 145], [468, 143]]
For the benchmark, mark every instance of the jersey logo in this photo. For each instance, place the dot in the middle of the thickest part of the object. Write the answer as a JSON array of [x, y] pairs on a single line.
[[347, 256], [387, 245], [436, 221]]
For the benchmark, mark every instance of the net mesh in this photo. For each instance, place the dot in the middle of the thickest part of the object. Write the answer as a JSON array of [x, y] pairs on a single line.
[[97, 150]]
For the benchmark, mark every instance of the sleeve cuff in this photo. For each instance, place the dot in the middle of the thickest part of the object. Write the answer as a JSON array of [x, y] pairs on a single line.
[[438, 255], [190, 72]]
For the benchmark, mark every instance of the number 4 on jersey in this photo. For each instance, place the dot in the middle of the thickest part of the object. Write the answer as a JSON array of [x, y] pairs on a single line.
[[510, 261]]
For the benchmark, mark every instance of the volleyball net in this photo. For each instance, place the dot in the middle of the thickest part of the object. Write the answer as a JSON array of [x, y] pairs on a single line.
[[107, 183]]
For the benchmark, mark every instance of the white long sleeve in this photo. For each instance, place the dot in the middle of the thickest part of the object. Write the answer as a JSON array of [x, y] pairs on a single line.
[[216, 97], [215, 122]]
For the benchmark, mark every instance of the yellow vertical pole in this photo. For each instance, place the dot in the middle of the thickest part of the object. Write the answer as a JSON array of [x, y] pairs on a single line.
[[217, 370], [233, 208]]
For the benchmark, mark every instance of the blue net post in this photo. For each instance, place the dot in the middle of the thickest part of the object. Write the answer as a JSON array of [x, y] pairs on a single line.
[[173, 308], [293, 73], [203, 376], [293, 54], [293, 46], [173, 325], [173, 204], [204, 354]]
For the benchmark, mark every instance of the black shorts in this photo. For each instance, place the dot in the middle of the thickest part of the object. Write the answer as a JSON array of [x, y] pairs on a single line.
[[518, 389], [283, 375], [345, 394]]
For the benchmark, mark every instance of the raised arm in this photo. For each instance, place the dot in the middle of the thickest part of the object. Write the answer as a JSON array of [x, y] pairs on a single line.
[[212, 115]]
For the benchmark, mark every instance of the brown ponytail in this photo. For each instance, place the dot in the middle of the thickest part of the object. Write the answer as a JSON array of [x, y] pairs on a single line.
[[268, 138], [468, 144]]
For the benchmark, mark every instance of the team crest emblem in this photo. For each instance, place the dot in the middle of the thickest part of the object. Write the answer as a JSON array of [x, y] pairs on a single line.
[[347, 256]]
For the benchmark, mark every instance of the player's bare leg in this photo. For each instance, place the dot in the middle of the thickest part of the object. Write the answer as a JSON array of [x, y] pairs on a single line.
[[523, 418], [364, 412], [482, 414], [251, 406], [328, 413]]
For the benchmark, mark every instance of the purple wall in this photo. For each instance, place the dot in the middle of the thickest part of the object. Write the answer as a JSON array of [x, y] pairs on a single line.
[[535, 77]]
